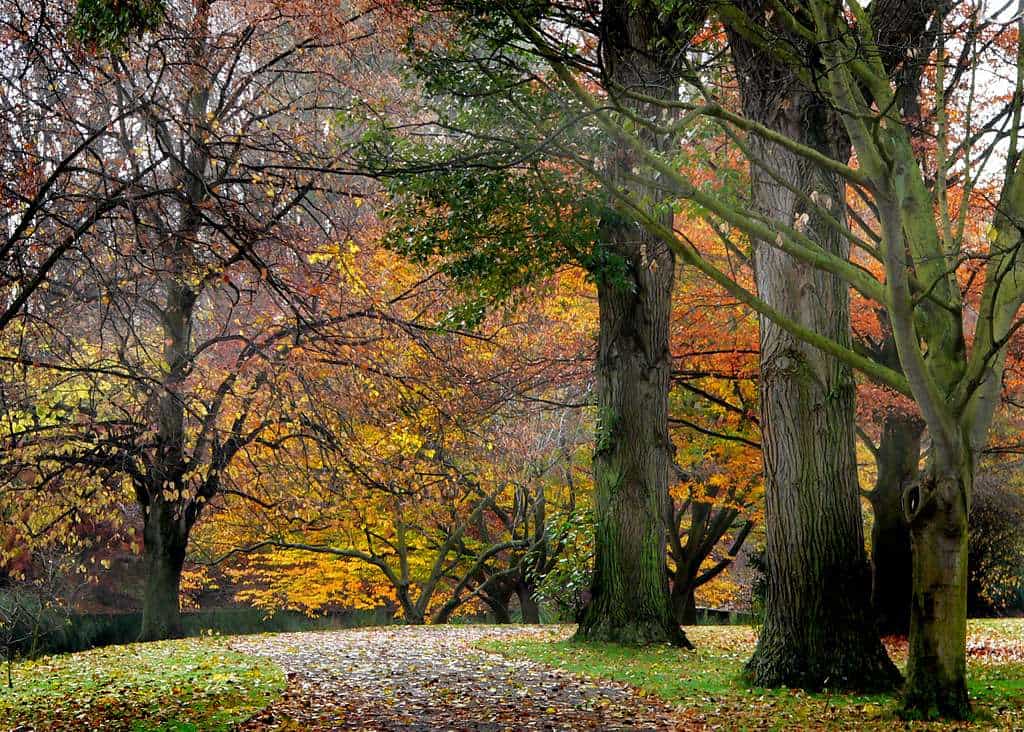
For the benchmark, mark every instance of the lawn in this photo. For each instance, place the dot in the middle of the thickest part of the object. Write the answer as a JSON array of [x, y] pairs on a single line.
[[705, 686], [180, 686]]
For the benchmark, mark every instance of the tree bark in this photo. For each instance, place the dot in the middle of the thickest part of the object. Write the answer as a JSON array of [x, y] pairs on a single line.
[[412, 611], [502, 615], [166, 538], [936, 668], [630, 595], [527, 605], [899, 451], [684, 603], [498, 601], [818, 627], [633, 453], [168, 521]]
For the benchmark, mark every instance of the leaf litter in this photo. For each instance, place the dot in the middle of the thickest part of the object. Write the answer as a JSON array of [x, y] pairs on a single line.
[[435, 678]]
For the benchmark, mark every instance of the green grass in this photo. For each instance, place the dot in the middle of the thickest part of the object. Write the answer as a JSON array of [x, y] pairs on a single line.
[[705, 686], [181, 686]]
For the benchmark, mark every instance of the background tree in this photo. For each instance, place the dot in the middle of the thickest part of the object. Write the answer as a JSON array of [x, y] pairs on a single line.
[[56, 180], [717, 492], [621, 48], [995, 547], [436, 460], [176, 336]]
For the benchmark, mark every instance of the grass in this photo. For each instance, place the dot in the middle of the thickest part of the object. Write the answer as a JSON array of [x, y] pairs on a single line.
[[705, 687], [171, 686]]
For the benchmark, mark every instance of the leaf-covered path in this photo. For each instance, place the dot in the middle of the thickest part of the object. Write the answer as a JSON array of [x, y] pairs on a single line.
[[433, 678]]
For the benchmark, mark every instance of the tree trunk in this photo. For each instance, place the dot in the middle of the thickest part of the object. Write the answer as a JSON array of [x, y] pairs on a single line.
[[891, 560], [633, 452], [630, 593], [684, 603], [167, 522], [936, 668], [498, 602], [166, 537], [818, 628], [502, 615], [529, 607], [412, 612]]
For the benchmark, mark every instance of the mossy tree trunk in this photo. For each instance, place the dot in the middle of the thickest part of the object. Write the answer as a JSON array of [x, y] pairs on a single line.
[[898, 454], [936, 506], [818, 630], [165, 541], [629, 595], [630, 590], [936, 666]]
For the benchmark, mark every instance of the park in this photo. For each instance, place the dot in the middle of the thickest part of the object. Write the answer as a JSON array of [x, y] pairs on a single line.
[[511, 365]]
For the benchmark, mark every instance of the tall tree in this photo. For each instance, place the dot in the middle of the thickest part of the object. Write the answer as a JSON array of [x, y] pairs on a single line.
[[955, 384], [812, 636], [502, 119], [893, 433], [633, 454]]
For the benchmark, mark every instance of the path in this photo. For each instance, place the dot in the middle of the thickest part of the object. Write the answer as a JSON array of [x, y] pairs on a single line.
[[432, 678]]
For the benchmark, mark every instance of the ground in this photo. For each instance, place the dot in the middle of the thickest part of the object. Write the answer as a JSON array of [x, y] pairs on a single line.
[[705, 689], [427, 678], [466, 678], [170, 686]]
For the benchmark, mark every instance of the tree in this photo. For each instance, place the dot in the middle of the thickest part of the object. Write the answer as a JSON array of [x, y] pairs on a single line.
[[718, 491], [486, 114], [176, 337], [957, 393], [995, 547], [438, 473], [955, 385], [36, 604], [891, 429], [812, 635], [111, 24], [540, 455], [633, 456], [897, 456], [57, 183]]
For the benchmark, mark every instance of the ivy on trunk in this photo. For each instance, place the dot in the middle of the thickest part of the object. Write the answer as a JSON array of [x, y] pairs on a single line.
[[629, 595]]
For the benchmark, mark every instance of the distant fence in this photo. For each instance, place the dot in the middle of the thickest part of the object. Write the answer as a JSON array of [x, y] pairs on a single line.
[[82, 631], [714, 616]]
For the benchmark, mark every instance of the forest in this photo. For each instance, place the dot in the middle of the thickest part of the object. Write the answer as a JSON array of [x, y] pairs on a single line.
[[511, 364]]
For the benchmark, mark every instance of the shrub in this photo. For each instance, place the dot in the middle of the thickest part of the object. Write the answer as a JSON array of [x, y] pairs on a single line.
[[565, 588], [996, 545]]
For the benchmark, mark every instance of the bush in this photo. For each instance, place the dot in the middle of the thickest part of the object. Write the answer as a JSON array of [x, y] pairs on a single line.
[[564, 589], [995, 584], [27, 621]]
